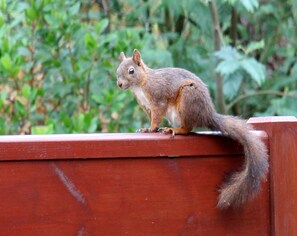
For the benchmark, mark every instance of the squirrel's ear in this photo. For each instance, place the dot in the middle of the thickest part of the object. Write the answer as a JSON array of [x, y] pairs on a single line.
[[136, 57], [122, 56]]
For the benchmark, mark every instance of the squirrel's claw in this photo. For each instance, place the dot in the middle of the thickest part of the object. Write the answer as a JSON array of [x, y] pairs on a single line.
[[166, 130], [145, 130], [142, 130]]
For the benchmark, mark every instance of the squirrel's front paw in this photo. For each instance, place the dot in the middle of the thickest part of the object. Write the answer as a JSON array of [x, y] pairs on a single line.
[[146, 130]]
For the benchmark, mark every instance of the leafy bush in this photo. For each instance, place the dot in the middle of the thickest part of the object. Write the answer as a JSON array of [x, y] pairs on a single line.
[[58, 70], [58, 58]]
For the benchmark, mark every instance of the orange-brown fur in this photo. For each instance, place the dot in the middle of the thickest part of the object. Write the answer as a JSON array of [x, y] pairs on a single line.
[[183, 99]]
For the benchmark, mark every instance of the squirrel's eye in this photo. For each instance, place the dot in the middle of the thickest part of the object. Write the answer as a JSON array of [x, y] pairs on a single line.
[[131, 71]]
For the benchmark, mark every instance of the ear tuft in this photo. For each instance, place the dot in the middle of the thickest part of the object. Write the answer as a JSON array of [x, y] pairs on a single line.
[[136, 57], [122, 56]]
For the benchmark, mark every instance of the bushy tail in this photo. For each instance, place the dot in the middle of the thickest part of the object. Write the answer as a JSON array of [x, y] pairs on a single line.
[[244, 184]]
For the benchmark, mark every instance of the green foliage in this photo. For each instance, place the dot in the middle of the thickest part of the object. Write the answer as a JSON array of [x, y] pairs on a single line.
[[54, 62], [58, 58], [234, 66], [249, 5]]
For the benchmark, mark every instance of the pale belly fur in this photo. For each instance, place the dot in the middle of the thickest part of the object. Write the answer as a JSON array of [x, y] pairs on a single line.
[[173, 117], [171, 114], [141, 98]]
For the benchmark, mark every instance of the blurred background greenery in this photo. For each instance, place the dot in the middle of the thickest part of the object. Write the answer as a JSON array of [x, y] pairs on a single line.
[[58, 58]]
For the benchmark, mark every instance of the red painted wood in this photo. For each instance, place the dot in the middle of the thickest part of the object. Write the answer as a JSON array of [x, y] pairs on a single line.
[[282, 132], [122, 184], [123, 196], [45, 147]]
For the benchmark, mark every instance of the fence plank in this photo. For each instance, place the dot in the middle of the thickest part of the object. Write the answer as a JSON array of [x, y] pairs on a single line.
[[282, 132], [150, 196], [123, 184], [77, 146]]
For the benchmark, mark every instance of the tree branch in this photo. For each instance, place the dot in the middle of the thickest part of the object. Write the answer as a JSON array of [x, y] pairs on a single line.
[[217, 45], [233, 27]]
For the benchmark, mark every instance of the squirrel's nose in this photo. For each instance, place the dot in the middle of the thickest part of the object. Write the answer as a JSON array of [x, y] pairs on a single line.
[[120, 84]]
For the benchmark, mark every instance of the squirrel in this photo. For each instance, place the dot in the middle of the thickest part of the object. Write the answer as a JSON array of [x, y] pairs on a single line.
[[184, 100]]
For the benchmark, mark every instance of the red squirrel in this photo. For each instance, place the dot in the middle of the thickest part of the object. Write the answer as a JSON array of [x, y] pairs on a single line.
[[184, 100]]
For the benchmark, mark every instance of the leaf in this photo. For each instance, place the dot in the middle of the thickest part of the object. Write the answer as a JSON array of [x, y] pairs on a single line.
[[6, 62], [44, 129], [31, 13], [78, 122], [98, 99], [73, 10], [228, 53], [108, 38], [2, 126], [205, 2], [255, 69], [21, 6], [26, 90], [255, 46], [5, 44], [158, 57], [3, 95], [2, 21], [227, 67], [93, 125], [90, 41], [3, 4], [52, 21], [232, 83], [102, 25], [232, 2], [23, 51], [250, 5], [282, 106], [20, 108]]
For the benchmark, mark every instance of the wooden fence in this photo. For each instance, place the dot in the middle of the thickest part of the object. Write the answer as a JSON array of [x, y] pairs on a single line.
[[143, 184]]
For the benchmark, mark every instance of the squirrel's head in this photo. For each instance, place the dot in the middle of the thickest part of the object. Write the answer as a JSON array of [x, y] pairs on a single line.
[[131, 71]]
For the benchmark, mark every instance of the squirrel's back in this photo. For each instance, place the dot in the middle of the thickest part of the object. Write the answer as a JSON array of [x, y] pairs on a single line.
[[169, 81], [173, 75]]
